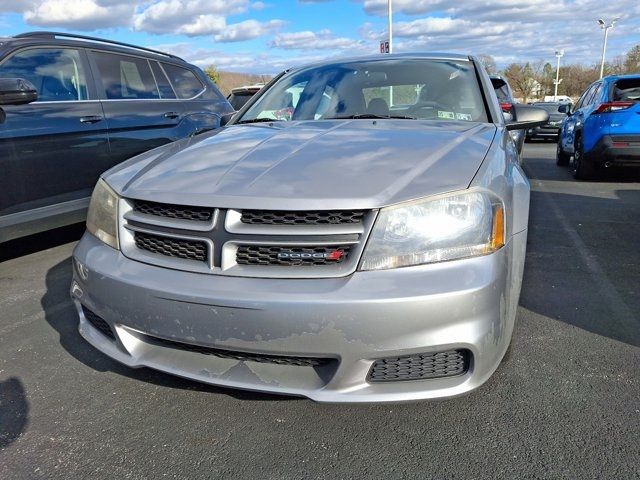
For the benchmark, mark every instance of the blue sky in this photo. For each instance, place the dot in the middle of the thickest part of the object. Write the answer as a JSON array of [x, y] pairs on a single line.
[[267, 36]]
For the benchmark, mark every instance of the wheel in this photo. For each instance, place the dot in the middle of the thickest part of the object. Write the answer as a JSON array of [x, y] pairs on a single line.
[[582, 170], [562, 159]]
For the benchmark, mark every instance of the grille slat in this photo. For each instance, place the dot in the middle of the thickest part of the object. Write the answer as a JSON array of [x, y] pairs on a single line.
[[172, 247], [263, 255], [243, 356], [420, 366], [180, 212], [98, 323], [320, 217]]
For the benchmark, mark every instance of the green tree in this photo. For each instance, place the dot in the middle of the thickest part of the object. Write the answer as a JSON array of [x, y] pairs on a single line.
[[212, 72]]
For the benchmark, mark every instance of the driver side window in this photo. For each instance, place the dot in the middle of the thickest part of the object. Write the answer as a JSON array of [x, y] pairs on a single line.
[[57, 73]]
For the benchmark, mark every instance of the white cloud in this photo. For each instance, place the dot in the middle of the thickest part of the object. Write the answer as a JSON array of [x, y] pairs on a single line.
[[248, 30], [79, 14], [181, 16], [308, 40]]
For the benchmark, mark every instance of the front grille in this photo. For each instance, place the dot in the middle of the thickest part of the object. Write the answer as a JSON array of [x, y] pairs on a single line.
[[171, 247], [180, 212], [98, 323], [322, 217], [420, 366], [242, 356], [291, 256]]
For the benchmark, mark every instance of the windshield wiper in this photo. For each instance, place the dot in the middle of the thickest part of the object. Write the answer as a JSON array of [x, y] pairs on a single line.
[[258, 120], [370, 115]]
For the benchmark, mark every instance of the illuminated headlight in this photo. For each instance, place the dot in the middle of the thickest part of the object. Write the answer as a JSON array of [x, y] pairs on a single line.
[[437, 230], [102, 218]]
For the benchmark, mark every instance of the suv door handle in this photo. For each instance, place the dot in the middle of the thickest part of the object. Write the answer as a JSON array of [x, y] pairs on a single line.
[[171, 115], [91, 119]]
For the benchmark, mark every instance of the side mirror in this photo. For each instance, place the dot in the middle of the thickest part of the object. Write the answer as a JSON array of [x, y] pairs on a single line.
[[226, 118], [17, 91], [564, 108], [528, 117]]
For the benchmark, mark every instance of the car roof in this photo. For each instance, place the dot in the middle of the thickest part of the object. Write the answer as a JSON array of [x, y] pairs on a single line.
[[387, 56], [68, 39], [613, 78]]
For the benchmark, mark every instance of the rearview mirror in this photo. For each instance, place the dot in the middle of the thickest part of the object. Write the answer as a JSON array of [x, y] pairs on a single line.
[[17, 91], [528, 117], [564, 108]]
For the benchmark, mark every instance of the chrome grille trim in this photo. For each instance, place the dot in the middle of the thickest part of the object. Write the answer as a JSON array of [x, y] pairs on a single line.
[[233, 224], [222, 243]]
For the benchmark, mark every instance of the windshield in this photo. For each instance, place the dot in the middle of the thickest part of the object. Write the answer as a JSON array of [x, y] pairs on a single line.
[[400, 88]]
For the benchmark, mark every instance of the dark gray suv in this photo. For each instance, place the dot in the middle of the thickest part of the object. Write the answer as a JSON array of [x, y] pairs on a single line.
[[72, 106]]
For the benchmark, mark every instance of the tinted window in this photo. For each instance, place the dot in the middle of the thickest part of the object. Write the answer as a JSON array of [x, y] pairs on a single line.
[[627, 90], [162, 81], [184, 81], [57, 74], [594, 96], [422, 89], [237, 100], [581, 102], [125, 77]]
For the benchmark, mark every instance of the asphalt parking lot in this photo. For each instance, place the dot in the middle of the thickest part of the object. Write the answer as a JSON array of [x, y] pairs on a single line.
[[564, 404]]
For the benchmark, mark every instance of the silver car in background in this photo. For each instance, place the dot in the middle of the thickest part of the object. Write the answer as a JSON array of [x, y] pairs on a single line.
[[343, 252]]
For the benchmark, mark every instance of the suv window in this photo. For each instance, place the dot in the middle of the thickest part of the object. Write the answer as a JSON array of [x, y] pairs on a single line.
[[125, 77], [581, 102], [184, 81], [166, 91], [595, 95], [57, 74], [627, 90]]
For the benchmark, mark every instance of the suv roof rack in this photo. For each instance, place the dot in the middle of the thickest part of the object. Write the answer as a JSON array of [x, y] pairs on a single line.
[[92, 39]]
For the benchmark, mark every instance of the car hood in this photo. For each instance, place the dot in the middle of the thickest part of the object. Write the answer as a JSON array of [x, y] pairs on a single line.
[[310, 164], [557, 117]]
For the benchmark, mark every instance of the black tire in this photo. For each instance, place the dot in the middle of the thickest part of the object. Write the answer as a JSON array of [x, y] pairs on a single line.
[[562, 158], [582, 170]]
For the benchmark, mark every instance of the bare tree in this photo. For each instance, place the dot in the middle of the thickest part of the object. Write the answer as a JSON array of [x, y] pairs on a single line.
[[488, 63]]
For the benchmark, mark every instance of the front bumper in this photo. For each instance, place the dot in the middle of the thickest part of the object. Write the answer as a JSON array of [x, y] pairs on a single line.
[[616, 150], [468, 304]]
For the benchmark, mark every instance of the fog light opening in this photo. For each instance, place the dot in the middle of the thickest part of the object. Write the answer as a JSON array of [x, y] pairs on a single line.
[[76, 290]]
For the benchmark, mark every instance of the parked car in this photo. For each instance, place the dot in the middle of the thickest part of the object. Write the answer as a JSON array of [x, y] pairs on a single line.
[[603, 128], [74, 106], [343, 253], [551, 130], [507, 104], [241, 95]]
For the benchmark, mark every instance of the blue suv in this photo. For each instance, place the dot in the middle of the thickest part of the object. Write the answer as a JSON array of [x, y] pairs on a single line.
[[603, 129]]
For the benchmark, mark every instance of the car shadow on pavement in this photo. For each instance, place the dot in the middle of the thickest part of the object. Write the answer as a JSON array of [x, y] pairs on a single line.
[[14, 411], [61, 314], [583, 259]]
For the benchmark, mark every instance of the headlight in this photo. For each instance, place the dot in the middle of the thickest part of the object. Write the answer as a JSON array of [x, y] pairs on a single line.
[[437, 230], [102, 219]]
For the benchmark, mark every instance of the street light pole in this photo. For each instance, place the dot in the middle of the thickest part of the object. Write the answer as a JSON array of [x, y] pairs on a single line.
[[390, 31], [559, 54], [605, 27], [390, 25]]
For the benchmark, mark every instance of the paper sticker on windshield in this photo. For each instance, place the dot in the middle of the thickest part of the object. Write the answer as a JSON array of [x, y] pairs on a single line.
[[448, 115], [463, 116]]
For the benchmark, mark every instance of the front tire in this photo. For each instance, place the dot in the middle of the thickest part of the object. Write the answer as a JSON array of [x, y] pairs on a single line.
[[582, 170], [562, 158]]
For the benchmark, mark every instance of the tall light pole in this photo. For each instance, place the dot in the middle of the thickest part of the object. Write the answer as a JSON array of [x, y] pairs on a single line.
[[390, 31], [390, 24], [605, 27], [559, 54]]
